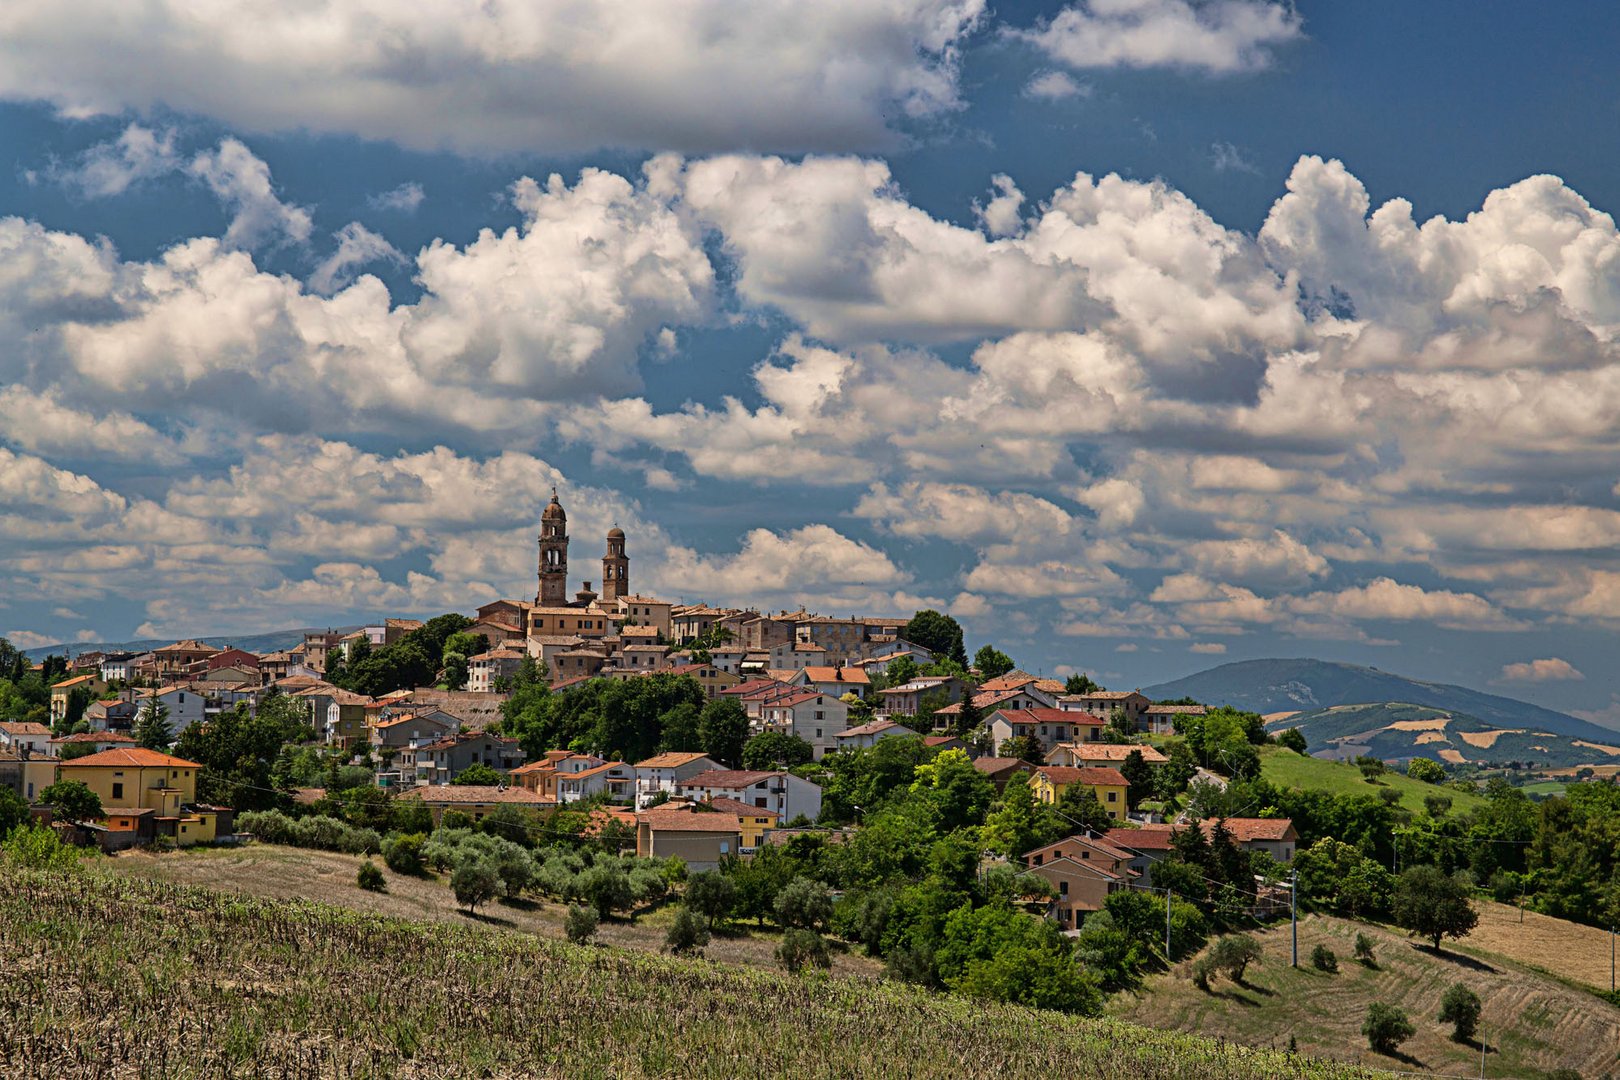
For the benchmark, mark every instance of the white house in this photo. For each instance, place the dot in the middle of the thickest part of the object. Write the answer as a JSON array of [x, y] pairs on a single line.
[[1049, 727], [813, 717], [867, 735], [616, 778], [186, 707], [778, 791], [663, 771], [25, 735]]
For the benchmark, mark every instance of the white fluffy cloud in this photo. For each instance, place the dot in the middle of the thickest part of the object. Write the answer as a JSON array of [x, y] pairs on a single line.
[[550, 75], [1548, 669], [242, 181], [1214, 36], [111, 168]]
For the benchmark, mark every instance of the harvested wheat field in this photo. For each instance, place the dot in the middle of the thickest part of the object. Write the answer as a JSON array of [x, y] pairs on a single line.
[[1533, 1024], [1431, 737], [1437, 723], [1605, 748], [117, 978], [1487, 739], [1568, 950]]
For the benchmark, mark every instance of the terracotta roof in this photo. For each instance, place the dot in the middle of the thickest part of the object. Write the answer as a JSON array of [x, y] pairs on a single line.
[[940, 740], [1010, 681], [876, 727], [740, 808], [669, 760], [983, 701], [498, 654], [1245, 830], [1172, 710], [688, 821], [1109, 752], [95, 737], [474, 793], [1142, 838], [77, 680], [1064, 775], [1039, 715], [345, 697], [135, 758], [994, 766], [1104, 695], [1102, 845], [24, 727], [189, 645], [854, 675], [729, 778]]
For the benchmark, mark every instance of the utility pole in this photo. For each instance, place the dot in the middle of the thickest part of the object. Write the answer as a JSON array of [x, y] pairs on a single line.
[[1293, 913], [1611, 958]]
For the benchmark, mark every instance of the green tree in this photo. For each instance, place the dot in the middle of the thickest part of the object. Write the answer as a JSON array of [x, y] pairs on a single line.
[[403, 852], [1364, 951], [959, 793], [939, 634], [39, 848], [1138, 775], [238, 750], [475, 882], [1019, 823], [968, 717], [72, 801], [776, 750], [900, 671], [1426, 770], [1080, 684], [991, 662], [152, 724], [805, 904], [682, 731], [1024, 747], [478, 775], [1386, 1027], [1077, 809], [1460, 1007], [723, 728], [1293, 739], [454, 668], [13, 807], [1233, 954], [803, 948], [710, 894], [607, 889], [1433, 904]]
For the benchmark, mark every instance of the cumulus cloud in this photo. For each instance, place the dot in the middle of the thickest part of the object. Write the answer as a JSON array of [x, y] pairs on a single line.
[[241, 180], [553, 75], [404, 199], [111, 168], [357, 246], [1549, 669], [1218, 37]]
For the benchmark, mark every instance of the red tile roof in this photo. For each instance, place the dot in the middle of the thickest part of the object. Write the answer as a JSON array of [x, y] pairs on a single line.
[[1062, 775], [669, 760], [729, 778], [1040, 715], [134, 758], [1142, 838], [995, 766], [474, 793], [688, 821], [1247, 830], [740, 808]]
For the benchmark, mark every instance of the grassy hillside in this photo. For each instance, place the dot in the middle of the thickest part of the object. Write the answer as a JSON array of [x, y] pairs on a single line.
[[114, 977], [1285, 768], [1532, 1024], [1396, 731]]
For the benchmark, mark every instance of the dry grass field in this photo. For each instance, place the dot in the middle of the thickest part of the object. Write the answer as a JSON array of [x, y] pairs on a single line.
[[286, 873], [1564, 949], [1533, 1024], [118, 977]]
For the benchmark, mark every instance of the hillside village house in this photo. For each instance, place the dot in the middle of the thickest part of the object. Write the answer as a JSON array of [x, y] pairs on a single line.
[[114, 714], [143, 783], [1147, 844], [1001, 770], [780, 791], [1160, 719], [176, 662], [661, 772], [474, 800], [395, 733], [702, 838], [442, 760], [1108, 755], [615, 779], [1049, 782], [27, 774], [346, 719], [647, 611], [186, 706], [22, 735], [907, 699], [119, 666], [711, 677], [836, 681], [1049, 727], [867, 735], [63, 691], [484, 669], [541, 776], [1083, 870], [1130, 704], [991, 701], [813, 717], [756, 823]]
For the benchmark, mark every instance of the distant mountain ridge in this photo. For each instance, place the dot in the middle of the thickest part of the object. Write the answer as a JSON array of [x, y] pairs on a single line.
[[1306, 685], [273, 641]]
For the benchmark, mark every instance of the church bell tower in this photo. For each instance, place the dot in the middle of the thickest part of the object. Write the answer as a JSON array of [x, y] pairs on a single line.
[[553, 555], [615, 568]]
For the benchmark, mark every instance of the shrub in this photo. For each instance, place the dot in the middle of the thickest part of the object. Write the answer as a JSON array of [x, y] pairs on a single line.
[[1460, 1008], [580, 924], [1386, 1027], [370, 878], [1364, 951], [1201, 972], [606, 888], [403, 852], [1426, 770], [1437, 806], [39, 848], [270, 826], [1293, 739], [803, 948], [475, 882], [687, 934], [1371, 767]]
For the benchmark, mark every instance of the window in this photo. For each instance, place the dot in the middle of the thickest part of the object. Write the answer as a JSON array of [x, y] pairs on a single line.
[[1063, 888], [725, 847], [118, 790], [1038, 859], [1113, 796], [760, 801]]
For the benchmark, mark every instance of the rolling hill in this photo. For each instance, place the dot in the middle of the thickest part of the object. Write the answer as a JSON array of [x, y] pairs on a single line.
[[1305, 685], [1397, 731]]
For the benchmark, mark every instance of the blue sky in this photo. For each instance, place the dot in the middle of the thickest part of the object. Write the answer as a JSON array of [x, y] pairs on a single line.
[[303, 317]]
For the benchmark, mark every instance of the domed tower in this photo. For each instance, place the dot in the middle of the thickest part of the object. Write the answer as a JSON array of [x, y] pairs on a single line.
[[615, 568], [553, 555]]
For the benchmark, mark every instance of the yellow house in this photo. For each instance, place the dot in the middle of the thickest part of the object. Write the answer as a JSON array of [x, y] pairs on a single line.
[[136, 779], [60, 692], [756, 820], [1050, 782]]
